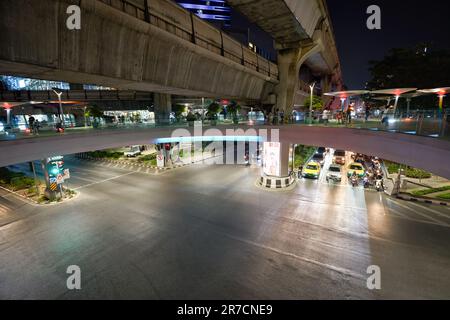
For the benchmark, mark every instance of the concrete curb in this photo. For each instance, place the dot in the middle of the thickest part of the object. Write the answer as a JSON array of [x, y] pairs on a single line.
[[275, 183], [407, 197]]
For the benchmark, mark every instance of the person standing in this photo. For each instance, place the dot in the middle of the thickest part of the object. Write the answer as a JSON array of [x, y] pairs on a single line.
[[31, 121], [36, 126], [348, 118], [325, 116], [367, 112]]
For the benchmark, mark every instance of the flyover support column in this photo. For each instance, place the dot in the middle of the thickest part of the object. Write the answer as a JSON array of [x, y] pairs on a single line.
[[288, 69], [163, 107], [275, 171]]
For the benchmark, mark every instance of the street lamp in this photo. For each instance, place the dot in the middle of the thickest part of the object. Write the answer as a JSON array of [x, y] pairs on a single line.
[[61, 113], [7, 107], [311, 102]]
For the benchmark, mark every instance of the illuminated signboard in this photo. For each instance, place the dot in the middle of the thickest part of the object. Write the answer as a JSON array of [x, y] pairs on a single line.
[[272, 165]]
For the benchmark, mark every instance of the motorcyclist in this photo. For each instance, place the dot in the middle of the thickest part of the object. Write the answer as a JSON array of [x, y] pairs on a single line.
[[379, 182], [354, 179], [366, 181]]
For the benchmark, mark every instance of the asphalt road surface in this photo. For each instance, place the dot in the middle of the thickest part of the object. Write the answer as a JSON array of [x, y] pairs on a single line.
[[207, 232]]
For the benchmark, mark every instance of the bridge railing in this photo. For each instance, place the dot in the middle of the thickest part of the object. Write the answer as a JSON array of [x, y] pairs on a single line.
[[420, 123], [180, 22], [83, 95]]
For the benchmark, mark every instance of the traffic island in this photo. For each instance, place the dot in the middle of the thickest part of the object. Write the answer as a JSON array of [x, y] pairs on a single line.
[[275, 183]]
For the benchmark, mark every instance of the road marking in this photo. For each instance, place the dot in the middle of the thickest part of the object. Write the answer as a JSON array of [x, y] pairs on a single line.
[[402, 216], [340, 270], [431, 210], [106, 180], [3, 209], [419, 213]]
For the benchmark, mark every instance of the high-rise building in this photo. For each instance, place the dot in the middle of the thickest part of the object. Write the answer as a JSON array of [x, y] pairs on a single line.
[[213, 10]]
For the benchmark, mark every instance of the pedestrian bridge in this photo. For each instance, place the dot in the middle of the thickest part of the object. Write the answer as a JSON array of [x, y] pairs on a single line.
[[127, 45], [428, 153]]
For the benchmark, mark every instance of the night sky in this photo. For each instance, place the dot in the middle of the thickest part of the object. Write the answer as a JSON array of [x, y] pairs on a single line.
[[403, 24]]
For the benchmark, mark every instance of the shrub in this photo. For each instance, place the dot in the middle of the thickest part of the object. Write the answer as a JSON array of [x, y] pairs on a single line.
[[105, 154], [430, 190], [19, 183], [417, 173], [410, 172], [445, 196], [146, 158]]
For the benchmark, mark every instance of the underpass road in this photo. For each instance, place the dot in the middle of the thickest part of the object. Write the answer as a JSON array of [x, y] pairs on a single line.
[[207, 232]]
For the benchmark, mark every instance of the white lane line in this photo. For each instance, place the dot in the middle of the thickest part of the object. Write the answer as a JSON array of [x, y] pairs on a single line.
[[77, 177], [340, 270], [419, 213], [431, 210], [3, 209], [402, 216], [18, 196], [106, 180]]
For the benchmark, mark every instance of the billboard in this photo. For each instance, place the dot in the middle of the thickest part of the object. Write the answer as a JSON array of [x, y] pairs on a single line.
[[271, 162]]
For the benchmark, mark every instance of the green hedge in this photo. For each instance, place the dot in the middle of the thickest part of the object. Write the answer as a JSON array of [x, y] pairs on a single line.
[[105, 154], [146, 158], [15, 180], [430, 191], [410, 172], [445, 196]]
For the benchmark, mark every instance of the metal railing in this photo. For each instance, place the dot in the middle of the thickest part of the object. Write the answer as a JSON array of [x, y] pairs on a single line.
[[418, 123], [84, 95], [261, 64]]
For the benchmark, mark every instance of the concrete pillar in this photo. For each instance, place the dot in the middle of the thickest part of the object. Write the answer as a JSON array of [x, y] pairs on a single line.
[[288, 69], [163, 107], [276, 159]]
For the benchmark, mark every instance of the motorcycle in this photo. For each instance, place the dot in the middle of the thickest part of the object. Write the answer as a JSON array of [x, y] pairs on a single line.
[[379, 184], [366, 183], [354, 181]]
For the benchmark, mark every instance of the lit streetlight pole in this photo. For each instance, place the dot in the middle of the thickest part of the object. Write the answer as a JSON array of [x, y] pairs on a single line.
[[61, 113], [311, 102], [7, 107]]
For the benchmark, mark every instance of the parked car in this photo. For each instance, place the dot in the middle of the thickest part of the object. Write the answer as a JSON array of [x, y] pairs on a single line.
[[133, 152]]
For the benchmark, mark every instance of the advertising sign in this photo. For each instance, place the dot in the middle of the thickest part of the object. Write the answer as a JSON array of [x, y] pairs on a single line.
[[272, 165]]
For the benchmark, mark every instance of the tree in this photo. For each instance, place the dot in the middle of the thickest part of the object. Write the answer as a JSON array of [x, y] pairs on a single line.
[[233, 108], [420, 67], [317, 102], [178, 109], [95, 112], [213, 109]]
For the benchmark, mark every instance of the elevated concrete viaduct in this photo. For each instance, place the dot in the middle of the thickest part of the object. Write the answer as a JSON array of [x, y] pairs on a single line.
[[122, 44], [303, 34]]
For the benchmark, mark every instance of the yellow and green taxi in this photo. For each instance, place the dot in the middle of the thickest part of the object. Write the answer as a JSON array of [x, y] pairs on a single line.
[[356, 168], [311, 170]]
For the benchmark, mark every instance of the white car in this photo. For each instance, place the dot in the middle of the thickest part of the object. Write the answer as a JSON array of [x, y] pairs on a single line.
[[133, 152], [334, 173]]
